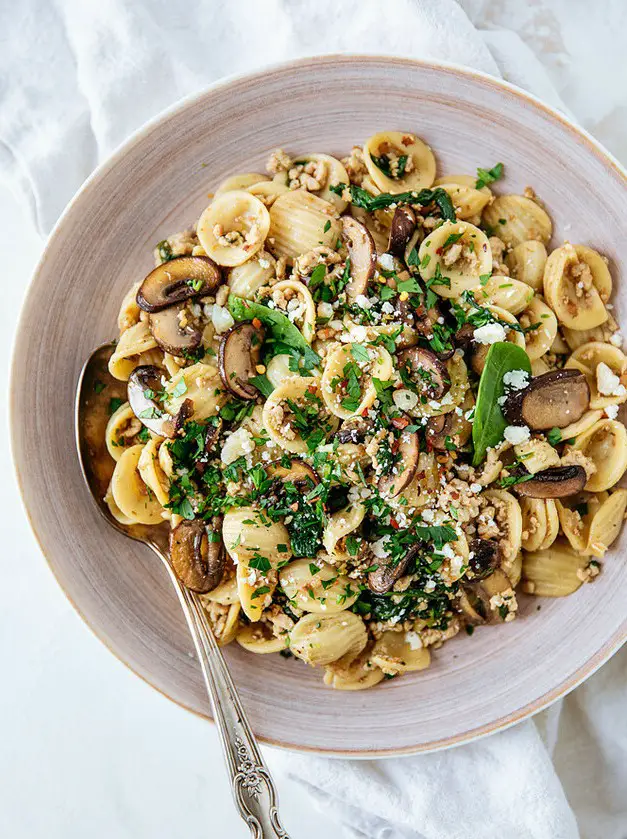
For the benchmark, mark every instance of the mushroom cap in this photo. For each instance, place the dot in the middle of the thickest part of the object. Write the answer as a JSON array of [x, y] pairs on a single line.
[[238, 356], [143, 385], [197, 556], [555, 482], [425, 370], [167, 331], [409, 452], [401, 229], [176, 281], [553, 400], [362, 253], [382, 579]]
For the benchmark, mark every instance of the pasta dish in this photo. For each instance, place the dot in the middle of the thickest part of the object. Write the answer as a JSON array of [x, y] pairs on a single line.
[[371, 408]]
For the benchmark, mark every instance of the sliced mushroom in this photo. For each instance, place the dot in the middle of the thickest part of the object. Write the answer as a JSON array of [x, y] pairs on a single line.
[[485, 558], [240, 353], [197, 554], [185, 412], [143, 385], [552, 400], [168, 331], [212, 435], [362, 253], [556, 482], [178, 280], [479, 594], [424, 321], [443, 428], [401, 229], [382, 579], [299, 473], [425, 370], [354, 430], [409, 451]]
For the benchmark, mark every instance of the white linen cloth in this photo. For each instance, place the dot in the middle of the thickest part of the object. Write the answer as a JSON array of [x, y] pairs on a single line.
[[76, 78]]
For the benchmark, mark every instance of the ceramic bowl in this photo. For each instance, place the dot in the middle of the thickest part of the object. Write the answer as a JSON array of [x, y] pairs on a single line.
[[157, 183]]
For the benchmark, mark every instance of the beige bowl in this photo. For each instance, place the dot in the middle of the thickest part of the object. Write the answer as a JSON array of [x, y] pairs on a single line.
[[158, 183]]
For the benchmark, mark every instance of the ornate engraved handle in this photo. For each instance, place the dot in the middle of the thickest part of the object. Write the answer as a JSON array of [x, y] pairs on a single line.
[[253, 788]]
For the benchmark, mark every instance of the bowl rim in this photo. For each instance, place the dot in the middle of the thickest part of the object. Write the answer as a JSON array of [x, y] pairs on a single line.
[[611, 646]]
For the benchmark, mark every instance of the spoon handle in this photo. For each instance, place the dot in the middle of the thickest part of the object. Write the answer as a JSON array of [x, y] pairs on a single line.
[[253, 788]]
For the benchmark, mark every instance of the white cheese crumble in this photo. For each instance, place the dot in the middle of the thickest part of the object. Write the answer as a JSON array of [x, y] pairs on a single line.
[[362, 301], [516, 379], [386, 261], [236, 444], [387, 308], [414, 640], [222, 319], [608, 383], [489, 334], [404, 399], [325, 310], [617, 339], [378, 547], [611, 411], [515, 434]]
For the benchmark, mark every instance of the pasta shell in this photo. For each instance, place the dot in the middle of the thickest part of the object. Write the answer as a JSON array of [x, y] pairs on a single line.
[[129, 310], [506, 293], [278, 370], [393, 653], [576, 306], [342, 403], [322, 592], [587, 358], [468, 201], [353, 672], [238, 214], [267, 191], [278, 417], [607, 523], [122, 423], [246, 280], [115, 511], [606, 445], [329, 172], [394, 145], [460, 252], [130, 493], [553, 572], [509, 519], [239, 182], [339, 525], [526, 263], [225, 593], [305, 320], [534, 523], [540, 340], [257, 638], [552, 524], [321, 639], [133, 342], [151, 473], [516, 219], [300, 222], [202, 384]]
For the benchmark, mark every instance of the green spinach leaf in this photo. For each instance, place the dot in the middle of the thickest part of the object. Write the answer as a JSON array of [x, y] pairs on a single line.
[[489, 422]]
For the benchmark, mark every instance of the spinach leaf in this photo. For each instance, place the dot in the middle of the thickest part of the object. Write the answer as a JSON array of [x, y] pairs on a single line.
[[488, 176], [282, 330], [370, 203], [489, 422]]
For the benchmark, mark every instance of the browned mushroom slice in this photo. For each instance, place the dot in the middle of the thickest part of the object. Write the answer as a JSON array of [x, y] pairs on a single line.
[[401, 229], [552, 400], [212, 435], [178, 280], [197, 554], [425, 370], [354, 430], [185, 412], [556, 482], [299, 473], [362, 253], [239, 355], [143, 385], [168, 330], [407, 463], [447, 429], [479, 596], [382, 579], [485, 558]]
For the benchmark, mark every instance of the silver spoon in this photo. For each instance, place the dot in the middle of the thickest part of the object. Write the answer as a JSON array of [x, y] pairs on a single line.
[[253, 788]]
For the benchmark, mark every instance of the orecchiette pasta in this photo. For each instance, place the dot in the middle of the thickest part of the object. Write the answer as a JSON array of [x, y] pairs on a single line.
[[369, 406]]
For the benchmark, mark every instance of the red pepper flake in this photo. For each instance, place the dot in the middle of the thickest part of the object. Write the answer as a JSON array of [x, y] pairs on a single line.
[[400, 422], [364, 413], [311, 389], [394, 524], [438, 251], [256, 323], [395, 446]]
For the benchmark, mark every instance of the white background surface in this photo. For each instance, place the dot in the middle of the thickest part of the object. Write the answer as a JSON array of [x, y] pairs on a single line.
[[87, 749]]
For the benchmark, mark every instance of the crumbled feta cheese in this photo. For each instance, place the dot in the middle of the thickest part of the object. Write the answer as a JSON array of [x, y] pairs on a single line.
[[325, 310], [617, 339], [608, 383], [238, 443], [222, 319], [404, 399], [387, 308], [489, 334], [362, 301], [611, 411], [477, 487], [264, 263], [516, 379], [378, 547], [414, 640], [515, 434], [386, 261], [427, 515]]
